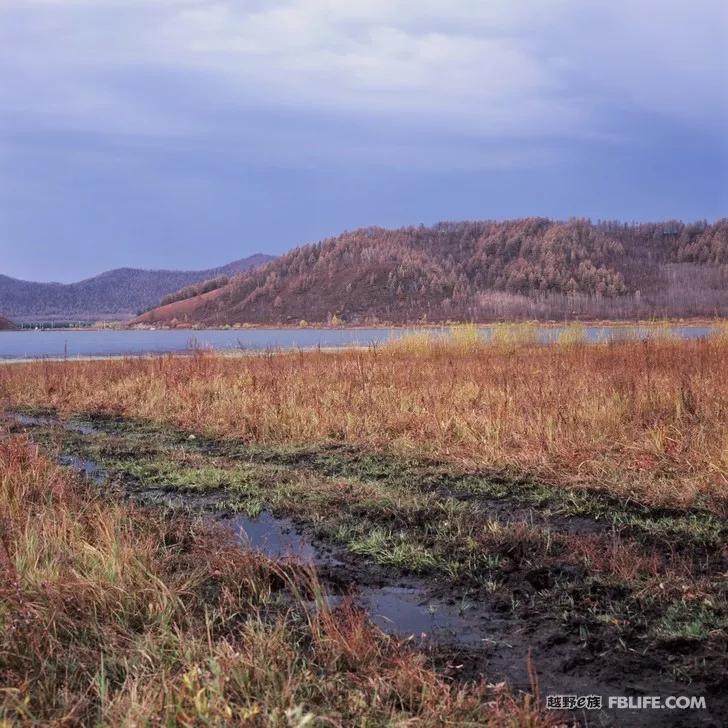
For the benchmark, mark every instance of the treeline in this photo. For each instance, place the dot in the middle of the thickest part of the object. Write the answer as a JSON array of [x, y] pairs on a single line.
[[196, 290], [6, 324], [530, 268]]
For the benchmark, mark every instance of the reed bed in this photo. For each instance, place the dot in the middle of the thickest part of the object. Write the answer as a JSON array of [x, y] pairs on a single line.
[[644, 420]]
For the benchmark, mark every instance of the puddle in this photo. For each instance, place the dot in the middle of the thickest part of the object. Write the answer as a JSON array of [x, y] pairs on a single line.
[[34, 420], [84, 428], [403, 610], [86, 467], [277, 538], [409, 612]]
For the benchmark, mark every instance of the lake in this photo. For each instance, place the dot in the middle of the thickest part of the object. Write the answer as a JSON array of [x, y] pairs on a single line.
[[84, 343]]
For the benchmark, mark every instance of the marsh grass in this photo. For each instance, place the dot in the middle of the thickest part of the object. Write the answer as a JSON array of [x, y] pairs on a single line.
[[434, 523], [390, 549], [506, 337], [112, 615], [572, 335], [644, 420], [413, 342], [463, 339], [457, 339]]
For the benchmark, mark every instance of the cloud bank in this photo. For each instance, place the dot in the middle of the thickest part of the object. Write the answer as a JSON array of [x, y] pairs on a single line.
[[537, 67], [187, 94]]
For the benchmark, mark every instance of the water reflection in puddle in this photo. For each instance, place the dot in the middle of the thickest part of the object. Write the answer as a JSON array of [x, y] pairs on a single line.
[[404, 611], [408, 611], [398, 610], [275, 537], [86, 467], [84, 428]]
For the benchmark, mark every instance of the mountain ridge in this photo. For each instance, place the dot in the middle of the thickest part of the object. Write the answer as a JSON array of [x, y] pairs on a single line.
[[115, 294]]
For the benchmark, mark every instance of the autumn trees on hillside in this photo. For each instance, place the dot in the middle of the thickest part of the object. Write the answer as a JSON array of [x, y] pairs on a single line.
[[530, 268]]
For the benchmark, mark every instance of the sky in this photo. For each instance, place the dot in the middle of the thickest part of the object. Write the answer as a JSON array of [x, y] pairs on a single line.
[[187, 133]]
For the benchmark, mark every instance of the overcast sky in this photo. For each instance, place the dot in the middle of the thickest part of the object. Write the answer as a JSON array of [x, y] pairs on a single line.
[[187, 133]]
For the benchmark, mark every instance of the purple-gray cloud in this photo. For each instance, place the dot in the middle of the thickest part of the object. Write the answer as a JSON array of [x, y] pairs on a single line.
[[176, 131]]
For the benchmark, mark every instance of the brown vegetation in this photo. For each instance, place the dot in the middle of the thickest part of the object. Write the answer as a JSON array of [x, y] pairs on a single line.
[[178, 311], [114, 615], [480, 271], [197, 289], [646, 421], [5, 324], [599, 554]]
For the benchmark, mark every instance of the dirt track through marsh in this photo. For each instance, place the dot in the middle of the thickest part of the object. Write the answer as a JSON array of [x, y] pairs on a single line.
[[607, 598]]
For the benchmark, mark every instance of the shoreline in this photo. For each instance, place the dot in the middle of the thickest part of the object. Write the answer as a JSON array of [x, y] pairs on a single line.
[[283, 339], [225, 353], [550, 323]]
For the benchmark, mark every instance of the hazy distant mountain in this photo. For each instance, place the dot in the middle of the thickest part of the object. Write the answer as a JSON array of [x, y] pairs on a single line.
[[119, 293], [479, 271]]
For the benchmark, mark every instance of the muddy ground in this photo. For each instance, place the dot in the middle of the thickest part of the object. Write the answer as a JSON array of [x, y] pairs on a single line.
[[482, 571]]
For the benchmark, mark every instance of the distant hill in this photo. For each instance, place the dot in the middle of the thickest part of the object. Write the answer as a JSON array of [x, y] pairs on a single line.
[[479, 271], [118, 294], [5, 324]]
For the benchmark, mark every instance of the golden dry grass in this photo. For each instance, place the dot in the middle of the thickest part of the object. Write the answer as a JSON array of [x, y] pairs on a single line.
[[644, 420]]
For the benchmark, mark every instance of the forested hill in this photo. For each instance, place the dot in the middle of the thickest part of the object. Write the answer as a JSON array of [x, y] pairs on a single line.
[[5, 325], [479, 271], [115, 294]]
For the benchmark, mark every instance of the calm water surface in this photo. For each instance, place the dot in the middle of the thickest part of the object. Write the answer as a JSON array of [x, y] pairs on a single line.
[[60, 343]]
